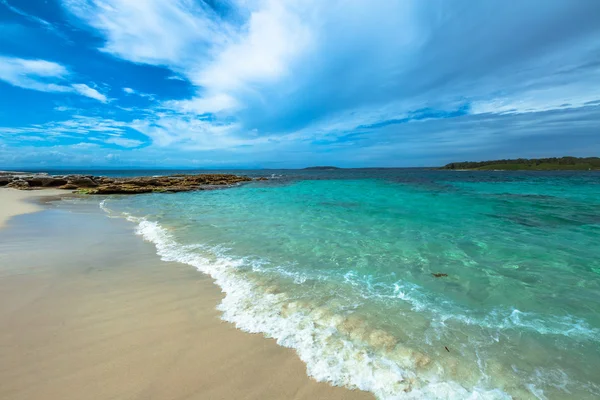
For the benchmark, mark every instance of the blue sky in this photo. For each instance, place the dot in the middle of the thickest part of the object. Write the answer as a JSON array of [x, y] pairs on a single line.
[[282, 83]]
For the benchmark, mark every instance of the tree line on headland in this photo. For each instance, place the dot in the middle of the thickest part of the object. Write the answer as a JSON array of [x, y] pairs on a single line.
[[534, 164]]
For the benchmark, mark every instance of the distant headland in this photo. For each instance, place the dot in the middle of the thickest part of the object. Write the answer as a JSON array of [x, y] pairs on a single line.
[[533, 164]]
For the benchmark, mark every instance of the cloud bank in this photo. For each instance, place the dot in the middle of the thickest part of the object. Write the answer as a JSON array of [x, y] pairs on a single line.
[[292, 83]]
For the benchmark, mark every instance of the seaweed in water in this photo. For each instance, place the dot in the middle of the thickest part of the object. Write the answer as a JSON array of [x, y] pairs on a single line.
[[439, 275]]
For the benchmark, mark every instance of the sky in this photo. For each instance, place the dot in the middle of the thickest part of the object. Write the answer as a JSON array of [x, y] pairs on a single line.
[[294, 83]]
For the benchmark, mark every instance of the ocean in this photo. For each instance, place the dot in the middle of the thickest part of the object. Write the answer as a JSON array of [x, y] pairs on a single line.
[[407, 283]]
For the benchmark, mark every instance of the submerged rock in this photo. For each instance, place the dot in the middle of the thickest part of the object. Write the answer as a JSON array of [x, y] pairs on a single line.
[[132, 185]]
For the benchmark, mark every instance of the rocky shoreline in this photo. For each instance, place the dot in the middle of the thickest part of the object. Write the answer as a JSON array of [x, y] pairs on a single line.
[[90, 184]]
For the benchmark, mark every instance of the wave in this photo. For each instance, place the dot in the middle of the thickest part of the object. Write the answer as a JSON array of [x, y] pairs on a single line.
[[498, 319], [336, 349]]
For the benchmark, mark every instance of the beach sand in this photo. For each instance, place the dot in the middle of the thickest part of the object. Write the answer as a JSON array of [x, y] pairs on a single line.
[[15, 202], [88, 311]]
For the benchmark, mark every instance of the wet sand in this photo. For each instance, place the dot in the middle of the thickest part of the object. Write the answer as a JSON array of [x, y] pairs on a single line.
[[88, 311]]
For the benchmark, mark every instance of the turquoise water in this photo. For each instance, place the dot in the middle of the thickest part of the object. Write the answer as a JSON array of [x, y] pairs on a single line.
[[339, 266]]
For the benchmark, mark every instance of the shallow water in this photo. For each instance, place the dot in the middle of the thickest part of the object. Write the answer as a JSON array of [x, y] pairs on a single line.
[[339, 265]]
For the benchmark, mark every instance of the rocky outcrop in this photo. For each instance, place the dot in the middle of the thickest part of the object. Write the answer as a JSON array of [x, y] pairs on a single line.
[[81, 181], [46, 181], [131, 185], [18, 184]]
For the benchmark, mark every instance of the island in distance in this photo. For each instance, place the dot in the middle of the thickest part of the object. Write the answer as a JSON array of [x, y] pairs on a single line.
[[533, 164]]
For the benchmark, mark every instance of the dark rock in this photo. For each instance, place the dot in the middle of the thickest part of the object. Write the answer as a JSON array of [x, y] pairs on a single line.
[[115, 189], [45, 181], [439, 275]]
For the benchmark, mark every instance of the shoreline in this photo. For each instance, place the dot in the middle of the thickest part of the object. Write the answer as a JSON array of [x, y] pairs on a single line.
[[92, 312], [15, 202]]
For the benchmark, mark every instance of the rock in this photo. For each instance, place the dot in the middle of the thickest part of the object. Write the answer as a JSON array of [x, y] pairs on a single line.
[[115, 189], [81, 181], [69, 186], [171, 184], [18, 184], [134, 185], [5, 180], [45, 181], [262, 178]]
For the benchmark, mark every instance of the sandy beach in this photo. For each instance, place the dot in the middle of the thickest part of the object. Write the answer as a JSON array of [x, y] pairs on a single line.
[[88, 311], [15, 202]]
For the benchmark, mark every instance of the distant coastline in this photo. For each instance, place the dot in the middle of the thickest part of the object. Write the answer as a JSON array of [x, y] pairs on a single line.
[[533, 164]]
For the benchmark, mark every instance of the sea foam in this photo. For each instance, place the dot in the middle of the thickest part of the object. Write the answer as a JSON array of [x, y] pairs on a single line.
[[336, 349]]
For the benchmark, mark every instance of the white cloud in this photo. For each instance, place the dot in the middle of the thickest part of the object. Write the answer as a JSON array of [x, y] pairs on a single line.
[[152, 31], [175, 78], [130, 91], [87, 91], [203, 105], [43, 76], [79, 128], [273, 38], [74, 127], [189, 132], [124, 142], [33, 74], [558, 97], [84, 145], [63, 108], [225, 60]]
